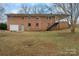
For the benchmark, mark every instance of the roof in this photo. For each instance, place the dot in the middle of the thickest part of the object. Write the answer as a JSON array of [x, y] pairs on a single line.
[[61, 16], [37, 15]]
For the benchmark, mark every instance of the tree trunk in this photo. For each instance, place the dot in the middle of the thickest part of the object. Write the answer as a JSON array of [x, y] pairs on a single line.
[[73, 29], [73, 26]]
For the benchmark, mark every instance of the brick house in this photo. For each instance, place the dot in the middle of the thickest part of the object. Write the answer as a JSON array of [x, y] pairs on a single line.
[[35, 22]]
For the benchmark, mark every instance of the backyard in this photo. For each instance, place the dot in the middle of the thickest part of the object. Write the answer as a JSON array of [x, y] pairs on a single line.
[[47, 43]]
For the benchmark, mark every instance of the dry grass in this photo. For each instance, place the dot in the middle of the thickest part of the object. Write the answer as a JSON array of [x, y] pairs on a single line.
[[39, 43]]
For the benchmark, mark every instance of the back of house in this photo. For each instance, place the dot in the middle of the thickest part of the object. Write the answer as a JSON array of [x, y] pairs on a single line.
[[35, 22]]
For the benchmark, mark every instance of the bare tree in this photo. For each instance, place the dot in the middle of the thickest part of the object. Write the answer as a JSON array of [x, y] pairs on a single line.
[[38, 9], [34, 9], [71, 9], [24, 9]]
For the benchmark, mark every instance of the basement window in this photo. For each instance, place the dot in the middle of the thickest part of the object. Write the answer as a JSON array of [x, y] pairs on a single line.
[[29, 24], [37, 24]]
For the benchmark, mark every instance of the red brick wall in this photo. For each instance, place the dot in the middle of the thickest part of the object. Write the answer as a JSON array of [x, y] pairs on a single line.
[[43, 22]]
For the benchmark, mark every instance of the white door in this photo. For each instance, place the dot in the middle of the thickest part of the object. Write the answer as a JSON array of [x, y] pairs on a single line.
[[14, 27], [22, 27]]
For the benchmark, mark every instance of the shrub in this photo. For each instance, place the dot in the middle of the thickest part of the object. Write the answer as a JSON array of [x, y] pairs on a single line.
[[3, 26]]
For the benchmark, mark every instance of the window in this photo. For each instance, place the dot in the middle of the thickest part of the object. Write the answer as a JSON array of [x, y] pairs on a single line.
[[37, 24], [29, 17], [22, 17], [37, 18], [29, 24], [48, 24], [49, 17]]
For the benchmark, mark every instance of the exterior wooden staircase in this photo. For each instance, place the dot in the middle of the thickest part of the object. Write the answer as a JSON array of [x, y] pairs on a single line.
[[53, 25]]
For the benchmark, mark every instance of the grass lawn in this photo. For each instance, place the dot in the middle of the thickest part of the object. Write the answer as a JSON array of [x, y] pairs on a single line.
[[39, 43]]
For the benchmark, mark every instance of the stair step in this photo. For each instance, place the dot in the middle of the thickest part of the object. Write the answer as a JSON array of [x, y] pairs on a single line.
[[53, 25]]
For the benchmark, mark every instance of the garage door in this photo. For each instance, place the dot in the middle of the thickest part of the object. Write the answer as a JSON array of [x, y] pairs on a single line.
[[14, 28]]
